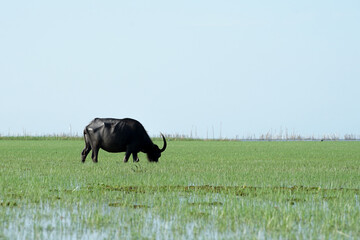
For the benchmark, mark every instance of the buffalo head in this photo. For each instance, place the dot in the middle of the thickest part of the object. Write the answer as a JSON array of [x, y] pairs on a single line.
[[155, 153]]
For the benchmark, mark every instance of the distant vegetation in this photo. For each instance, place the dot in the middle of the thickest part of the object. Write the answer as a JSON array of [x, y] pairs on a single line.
[[275, 137], [261, 137], [281, 135]]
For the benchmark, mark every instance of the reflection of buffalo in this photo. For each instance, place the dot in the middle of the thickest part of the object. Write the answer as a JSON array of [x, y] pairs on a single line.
[[119, 135]]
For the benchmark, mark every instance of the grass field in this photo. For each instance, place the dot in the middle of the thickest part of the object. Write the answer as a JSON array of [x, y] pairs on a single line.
[[198, 190]]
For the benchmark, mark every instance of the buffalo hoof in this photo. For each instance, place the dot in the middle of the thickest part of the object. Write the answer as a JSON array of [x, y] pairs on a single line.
[[136, 160]]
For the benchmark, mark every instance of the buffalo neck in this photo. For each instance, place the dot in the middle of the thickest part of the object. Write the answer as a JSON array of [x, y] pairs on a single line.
[[148, 144]]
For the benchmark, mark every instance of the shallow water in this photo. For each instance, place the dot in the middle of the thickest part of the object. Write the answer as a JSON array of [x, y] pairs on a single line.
[[48, 220]]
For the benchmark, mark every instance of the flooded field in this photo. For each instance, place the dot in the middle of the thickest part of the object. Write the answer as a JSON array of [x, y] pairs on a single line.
[[198, 190]]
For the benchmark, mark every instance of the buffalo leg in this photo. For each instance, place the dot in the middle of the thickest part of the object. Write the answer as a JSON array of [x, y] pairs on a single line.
[[135, 157], [87, 147], [94, 155], [127, 156], [85, 152]]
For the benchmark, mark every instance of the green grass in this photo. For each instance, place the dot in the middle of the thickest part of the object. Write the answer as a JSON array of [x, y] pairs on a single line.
[[198, 190]]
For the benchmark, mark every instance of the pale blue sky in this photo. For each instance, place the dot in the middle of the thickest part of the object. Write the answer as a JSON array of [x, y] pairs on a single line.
[[248, 66]]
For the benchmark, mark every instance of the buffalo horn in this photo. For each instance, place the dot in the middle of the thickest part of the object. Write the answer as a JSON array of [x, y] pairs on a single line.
[[164, 147]]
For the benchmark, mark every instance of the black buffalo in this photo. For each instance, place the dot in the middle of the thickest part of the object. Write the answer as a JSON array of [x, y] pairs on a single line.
[[119, 135]]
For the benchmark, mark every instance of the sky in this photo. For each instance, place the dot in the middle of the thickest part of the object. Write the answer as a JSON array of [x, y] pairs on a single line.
[[202, 68]]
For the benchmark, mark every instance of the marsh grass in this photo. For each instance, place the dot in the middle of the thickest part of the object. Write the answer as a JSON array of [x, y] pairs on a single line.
[[198, 190]]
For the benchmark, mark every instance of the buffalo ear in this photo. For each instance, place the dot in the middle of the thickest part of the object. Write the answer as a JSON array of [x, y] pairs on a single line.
[[164, 147]]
